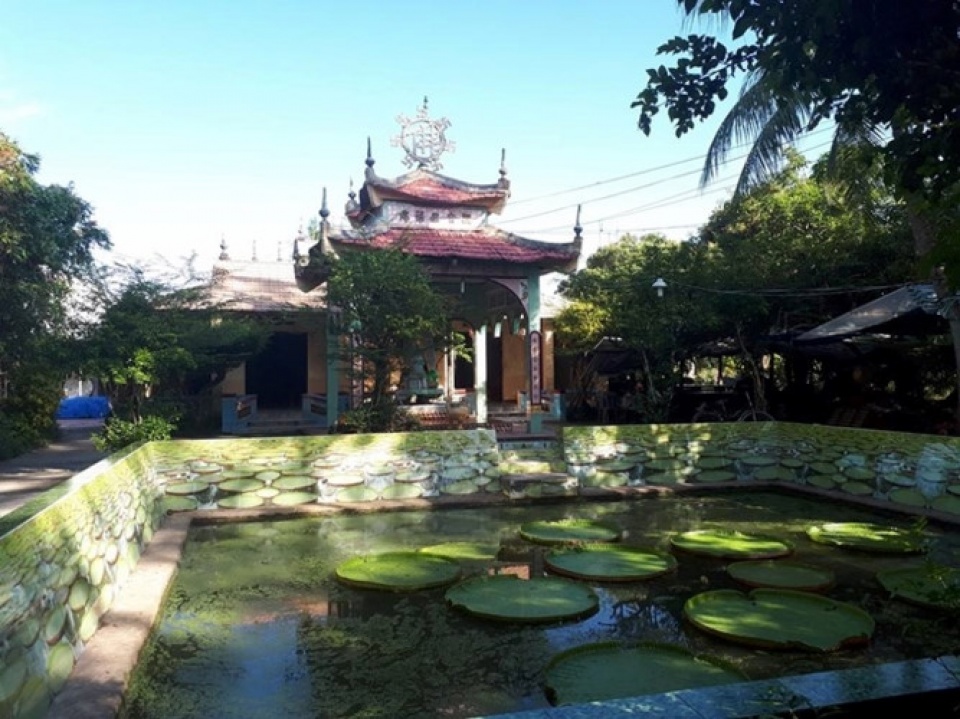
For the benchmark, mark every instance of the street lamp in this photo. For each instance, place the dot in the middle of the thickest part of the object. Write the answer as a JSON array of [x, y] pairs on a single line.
[[659, 285]]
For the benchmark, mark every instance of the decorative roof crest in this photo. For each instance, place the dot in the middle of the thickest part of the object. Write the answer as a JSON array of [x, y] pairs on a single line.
[[423, 140]]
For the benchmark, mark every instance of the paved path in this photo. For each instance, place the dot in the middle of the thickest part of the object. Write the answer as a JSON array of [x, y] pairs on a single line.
[[26, 476]]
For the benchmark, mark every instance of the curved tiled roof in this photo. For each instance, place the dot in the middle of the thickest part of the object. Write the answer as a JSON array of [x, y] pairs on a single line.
[[485, 244], [426, 186]]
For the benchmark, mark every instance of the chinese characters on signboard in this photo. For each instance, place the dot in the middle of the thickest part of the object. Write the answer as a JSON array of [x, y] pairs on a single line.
[[535, 377]]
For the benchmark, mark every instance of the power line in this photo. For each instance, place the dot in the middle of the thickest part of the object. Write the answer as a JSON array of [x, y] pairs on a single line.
[[625, 192], [638, 173]]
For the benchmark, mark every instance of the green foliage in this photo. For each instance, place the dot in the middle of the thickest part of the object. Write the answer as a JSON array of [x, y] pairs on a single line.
[[47, 239], [382, 416], [27, 414], [120, 433], [387, 305], [787, 255], [871, 64], [153, 339]]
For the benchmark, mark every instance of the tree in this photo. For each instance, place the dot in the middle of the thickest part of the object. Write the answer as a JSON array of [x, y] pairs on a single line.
[[47, 240], [880, 65], [884, 71], [153, 342], [791, 252], [389, 309]]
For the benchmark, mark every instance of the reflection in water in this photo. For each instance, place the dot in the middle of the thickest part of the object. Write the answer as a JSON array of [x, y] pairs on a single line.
[[256, 626]]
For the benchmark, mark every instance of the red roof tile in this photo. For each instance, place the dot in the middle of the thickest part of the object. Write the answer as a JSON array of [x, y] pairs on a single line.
[[487, 244], [430, 187]]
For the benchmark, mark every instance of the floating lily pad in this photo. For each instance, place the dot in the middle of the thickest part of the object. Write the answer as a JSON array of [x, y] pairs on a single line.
[[402, 491], [352, 495], [564, 531], [758, 460], [729, 544], [267, 492], [610, 563], [609, 670], [471, 551], [780, 619], [823, 467], [616, 465], [665, 478], [929, 586], [293, 498], [398, 571], [781, 574], [267, 476], [868, 537], [510, 598], [245, 500]]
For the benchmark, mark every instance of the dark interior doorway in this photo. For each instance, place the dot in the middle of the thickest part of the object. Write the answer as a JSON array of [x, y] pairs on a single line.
[[278, 375]]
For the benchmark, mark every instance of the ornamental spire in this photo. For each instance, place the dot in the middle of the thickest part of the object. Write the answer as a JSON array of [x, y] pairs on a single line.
[[224, 255], [577, 229]]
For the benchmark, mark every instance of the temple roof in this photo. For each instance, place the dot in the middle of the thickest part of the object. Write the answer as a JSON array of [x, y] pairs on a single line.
[[424, 186], [484, 244], [260, 287]]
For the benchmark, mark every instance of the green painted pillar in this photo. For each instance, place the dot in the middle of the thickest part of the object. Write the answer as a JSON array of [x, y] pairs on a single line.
[[534, 353], [480, 371], [333, 374]]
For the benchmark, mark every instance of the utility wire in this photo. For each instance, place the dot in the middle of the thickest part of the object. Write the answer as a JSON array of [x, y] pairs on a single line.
[[638, 173], [627, 191]]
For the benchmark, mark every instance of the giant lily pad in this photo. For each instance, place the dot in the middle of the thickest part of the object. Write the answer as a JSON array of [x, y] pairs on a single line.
[[470, 551], [729, 544], [868, 537], [608, 670], [183, 489], [564, 531], [352, 495], [398, 571], [781, 574], [929, 586], [245, 500], [401, 491], [609, 563], [293, 498], [509, 598], [780, 619]]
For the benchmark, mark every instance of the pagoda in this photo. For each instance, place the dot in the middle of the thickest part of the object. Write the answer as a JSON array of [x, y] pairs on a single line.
[[446, 224]]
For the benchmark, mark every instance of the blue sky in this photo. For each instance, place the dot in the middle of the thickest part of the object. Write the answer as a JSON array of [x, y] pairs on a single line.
[[183, 120]]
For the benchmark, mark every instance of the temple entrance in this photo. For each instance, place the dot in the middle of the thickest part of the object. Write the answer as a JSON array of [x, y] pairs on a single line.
[[278, 375]]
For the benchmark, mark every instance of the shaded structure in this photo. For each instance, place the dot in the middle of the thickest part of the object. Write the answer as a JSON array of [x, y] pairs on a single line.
[[446, 224]]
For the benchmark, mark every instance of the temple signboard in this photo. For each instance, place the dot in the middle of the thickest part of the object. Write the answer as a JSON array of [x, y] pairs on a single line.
[[536, 380]]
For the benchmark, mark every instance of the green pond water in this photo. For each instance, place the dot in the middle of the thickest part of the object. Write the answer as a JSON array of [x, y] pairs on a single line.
[[255, 624]]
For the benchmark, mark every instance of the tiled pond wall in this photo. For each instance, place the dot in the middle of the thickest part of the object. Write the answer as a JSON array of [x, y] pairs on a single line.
[[61, 567]]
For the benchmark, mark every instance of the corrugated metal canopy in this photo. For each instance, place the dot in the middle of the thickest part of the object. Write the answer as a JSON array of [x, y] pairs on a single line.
[[909, 310]]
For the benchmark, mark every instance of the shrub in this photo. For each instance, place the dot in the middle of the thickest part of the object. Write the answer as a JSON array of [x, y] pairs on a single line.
[[119, 433], [384, 416]]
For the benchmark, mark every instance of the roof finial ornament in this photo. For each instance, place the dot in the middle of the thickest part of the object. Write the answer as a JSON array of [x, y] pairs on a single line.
[[296, 243], [253, 253], [577, 229], [352, 205], [224, 255], [370, 161], [422, 139], [279, 250], [503, 182], [324, 240]]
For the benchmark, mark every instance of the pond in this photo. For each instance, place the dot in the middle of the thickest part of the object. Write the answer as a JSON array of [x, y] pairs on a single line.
[[256, 624]]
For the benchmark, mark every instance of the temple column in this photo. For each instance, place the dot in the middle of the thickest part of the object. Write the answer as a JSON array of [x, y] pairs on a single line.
[[534, 350], [480, 371], [333, 372]]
